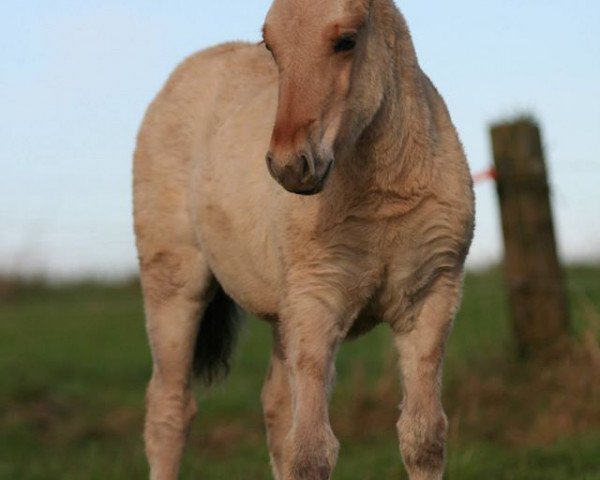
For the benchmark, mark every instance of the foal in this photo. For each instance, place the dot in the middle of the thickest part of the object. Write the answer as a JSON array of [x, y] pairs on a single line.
[[376, 227]]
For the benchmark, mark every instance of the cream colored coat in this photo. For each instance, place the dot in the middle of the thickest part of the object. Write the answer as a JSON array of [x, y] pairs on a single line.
[[385, 241]]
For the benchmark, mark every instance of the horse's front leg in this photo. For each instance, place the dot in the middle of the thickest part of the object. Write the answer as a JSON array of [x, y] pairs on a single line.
[[422, 425], [311, 329]]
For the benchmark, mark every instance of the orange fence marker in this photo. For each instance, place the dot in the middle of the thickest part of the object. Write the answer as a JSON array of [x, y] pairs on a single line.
[[489, 174]]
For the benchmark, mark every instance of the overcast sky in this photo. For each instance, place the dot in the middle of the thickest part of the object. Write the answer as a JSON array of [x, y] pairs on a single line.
[[76, 78]]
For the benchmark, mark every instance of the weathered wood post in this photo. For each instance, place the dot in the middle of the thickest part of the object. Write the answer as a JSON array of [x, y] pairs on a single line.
[[537, 299]]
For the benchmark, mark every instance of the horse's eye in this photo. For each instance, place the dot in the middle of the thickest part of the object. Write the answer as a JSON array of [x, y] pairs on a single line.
[[344, 44]]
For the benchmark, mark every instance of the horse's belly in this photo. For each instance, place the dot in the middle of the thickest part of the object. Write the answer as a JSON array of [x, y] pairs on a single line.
[[247, 273]]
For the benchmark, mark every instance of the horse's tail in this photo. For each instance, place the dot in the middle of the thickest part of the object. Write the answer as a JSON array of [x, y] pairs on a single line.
[[216, 338]]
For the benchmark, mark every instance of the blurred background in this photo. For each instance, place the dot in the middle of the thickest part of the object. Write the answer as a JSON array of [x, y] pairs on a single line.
[[75, 81]]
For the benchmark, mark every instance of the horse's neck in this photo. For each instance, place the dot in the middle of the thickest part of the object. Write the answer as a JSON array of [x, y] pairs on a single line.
[[395, 150]]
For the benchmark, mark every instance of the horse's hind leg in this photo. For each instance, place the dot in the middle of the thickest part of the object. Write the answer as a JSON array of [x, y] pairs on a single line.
[[175, 283], [422, 425], [277, 406]]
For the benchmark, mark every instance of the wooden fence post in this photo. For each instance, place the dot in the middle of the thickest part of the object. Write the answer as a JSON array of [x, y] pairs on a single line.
[[537, 299]]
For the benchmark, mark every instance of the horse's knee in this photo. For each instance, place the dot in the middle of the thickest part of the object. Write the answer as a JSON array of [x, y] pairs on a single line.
[[311, 455], [423, 443]]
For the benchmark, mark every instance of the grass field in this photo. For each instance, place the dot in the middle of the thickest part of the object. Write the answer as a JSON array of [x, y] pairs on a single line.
[[74, 363]]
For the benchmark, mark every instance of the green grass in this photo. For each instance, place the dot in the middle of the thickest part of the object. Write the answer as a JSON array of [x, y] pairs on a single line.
[[74, 363]]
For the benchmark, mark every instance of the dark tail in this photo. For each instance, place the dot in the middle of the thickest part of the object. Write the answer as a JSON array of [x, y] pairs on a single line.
[[216, 338]]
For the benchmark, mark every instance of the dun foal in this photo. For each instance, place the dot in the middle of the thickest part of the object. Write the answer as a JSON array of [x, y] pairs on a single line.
[[372, 225]]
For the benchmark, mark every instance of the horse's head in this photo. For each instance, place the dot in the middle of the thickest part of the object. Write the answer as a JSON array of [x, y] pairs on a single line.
[[318, 47]]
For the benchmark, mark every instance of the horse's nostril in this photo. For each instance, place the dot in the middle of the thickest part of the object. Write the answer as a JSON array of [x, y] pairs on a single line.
[[304, 170], [307, 167]]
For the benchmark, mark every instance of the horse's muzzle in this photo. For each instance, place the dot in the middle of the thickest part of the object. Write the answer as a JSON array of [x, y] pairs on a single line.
[[304, 174]]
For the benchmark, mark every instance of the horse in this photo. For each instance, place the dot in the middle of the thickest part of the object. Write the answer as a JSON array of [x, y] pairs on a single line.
[[316, 180]]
